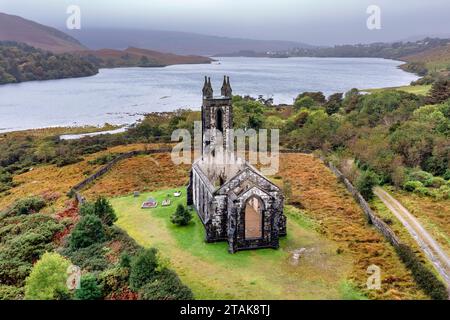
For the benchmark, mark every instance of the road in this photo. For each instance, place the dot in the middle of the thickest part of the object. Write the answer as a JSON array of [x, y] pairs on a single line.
[[431, 248]]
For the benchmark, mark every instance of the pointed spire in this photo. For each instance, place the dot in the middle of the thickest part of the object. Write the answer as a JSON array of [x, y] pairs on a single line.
[[226, 87], [207, 88], [223, 90]]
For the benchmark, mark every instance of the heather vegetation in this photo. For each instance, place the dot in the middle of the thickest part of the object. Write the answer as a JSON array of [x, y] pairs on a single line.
[[23, 151], [38, 248]]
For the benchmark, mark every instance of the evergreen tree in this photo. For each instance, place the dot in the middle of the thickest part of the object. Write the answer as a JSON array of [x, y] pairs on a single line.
[[88, 231], [182, 216], [89, 288]]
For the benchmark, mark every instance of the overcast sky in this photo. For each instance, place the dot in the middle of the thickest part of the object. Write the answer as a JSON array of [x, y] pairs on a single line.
[[320, 22]]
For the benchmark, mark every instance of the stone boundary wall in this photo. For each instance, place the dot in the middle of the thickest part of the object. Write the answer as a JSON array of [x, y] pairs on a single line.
[[379, 224]]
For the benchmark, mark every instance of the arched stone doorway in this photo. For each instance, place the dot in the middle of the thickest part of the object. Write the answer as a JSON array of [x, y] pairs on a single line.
[[253, 218]]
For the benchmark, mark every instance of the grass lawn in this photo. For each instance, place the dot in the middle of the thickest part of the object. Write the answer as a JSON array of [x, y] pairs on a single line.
[[419, 90], [212, 273]]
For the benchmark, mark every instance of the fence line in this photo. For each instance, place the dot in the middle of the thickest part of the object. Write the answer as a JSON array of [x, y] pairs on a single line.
[[379, 224], [75, 191]]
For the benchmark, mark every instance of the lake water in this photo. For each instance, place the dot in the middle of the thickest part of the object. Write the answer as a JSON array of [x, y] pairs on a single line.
[[121, 96]]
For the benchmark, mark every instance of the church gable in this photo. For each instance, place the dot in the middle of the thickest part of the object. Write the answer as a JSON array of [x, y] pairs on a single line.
[[247, 179]]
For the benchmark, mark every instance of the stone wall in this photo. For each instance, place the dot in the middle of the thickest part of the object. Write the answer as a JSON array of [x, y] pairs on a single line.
[[75, 191], [372, 218]]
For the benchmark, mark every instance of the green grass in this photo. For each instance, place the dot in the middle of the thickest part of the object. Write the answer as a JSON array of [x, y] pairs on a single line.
[[350, 292], [212, 273], [419, 90]]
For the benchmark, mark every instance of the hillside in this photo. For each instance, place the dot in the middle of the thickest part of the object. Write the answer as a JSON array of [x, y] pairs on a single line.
[[20, 62], [135, 57], [15, 28], [435, 58], [176, 42]]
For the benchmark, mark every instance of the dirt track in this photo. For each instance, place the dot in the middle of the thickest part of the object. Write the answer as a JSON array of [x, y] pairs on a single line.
[[430, 247]]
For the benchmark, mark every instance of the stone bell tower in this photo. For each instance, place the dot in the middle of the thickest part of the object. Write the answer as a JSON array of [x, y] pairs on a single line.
[[217, 115]]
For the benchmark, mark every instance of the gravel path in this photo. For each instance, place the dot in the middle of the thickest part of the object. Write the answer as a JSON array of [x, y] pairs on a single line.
[[430, 247]]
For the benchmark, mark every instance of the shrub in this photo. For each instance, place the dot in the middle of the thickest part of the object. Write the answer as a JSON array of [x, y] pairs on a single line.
[[23, 239], [436, 182], [422, 191], [426, 280], [27, 206], [365, 184], [125, 260], [182, 216], [89, 288], [444, 192], [87, 208], [10, 293], [91, 258], [104, 159], [143, 268], [166, 286], [412, 185], [89, 230], [47, 278], [447, 174], [67, 160], [113, 280], [421, 176]]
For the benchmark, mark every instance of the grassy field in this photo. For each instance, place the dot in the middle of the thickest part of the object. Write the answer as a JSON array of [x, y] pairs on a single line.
[[213, 273], [419, 90], [315, 188], [50, 179]]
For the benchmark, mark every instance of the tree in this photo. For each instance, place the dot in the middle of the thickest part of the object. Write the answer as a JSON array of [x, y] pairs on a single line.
[[318, 97], [88, 231], [101, 208], [365, 184], [89, 288], [182, 216], [143, 268], [305, 102], [334, 103], [104, 210], [48, 277]]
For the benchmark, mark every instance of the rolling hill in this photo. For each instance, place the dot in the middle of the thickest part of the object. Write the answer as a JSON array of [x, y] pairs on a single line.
[[176, 42], [434, 58], [135, 57], [15, 28]]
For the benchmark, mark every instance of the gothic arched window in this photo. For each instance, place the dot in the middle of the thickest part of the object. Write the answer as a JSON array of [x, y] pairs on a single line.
[[219, 120], [253, 218]]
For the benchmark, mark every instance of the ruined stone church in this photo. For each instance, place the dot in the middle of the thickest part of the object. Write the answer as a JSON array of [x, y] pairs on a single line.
[[234, 201]]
